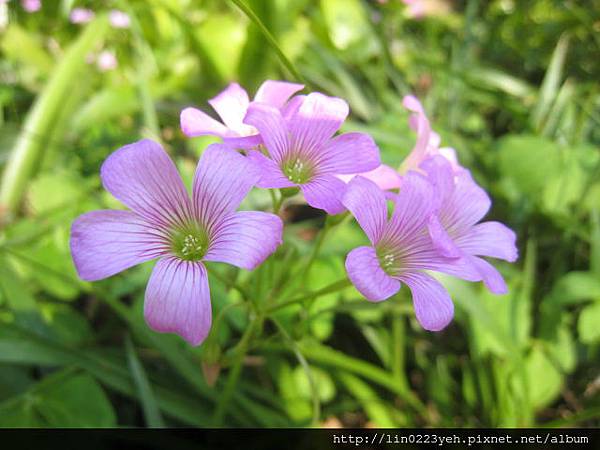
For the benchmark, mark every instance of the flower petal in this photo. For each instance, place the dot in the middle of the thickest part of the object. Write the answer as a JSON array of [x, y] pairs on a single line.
[[245, 239], [143, 177], [271, 175], [178, 299], [316, 120], [276, 93], [420, 124], [367, 275], [439, 172], [325, 192], [433, 306], [223, 178], [231, 105], [490, 239], [243, 142], [490, 276], [349, 153], [385, 177], [466, 206], [413, 206], [441, 240], [272, 128], [197, 123], [367, 204], [104, 243]]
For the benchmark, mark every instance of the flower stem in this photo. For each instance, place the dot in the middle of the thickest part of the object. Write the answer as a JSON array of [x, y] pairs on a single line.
[[234, 373], [333, 287]]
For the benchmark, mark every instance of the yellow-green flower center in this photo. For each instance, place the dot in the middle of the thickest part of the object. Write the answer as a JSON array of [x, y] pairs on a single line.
[[189, 243], [297, 171]]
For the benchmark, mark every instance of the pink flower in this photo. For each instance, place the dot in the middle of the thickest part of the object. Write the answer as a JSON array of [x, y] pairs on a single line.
[[231, 105], [428, 141], [401, 250], [107, 61], [302, 152], [385, 177], [119, 19], [182, 233], [31, 6], [81, 15]]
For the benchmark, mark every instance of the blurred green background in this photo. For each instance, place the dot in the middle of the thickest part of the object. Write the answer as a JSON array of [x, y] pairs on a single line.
[[512, 85]]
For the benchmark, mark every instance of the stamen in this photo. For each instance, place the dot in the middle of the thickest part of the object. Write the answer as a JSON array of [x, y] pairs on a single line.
[[189, 243], [297, 171]]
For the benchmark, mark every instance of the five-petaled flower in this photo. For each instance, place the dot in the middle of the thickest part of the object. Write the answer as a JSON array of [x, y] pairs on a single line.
[[165, 223], [301, 150], [401, 248], [455, 230], [231, 105]]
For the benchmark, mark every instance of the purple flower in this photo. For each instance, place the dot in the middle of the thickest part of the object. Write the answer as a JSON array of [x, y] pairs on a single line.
[[455, 230], [165, 223], [81, 15], [302, 152], [232, 105], [401, 248], [118, 19], [428, 141]]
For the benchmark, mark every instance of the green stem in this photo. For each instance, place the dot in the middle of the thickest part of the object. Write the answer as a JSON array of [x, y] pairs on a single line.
[[315, 251], [333, 287], [234, 373], [270, 38]]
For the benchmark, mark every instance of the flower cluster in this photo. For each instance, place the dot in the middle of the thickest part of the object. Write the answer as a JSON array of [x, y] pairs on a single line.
[[284, 140]]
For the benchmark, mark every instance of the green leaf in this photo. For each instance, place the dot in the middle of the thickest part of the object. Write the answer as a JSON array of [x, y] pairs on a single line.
[[146, 395], [529, 162], [576, 287], [76, 402], [588, 324], [375, 406], [543, 378], [346, 22], [323, 383]]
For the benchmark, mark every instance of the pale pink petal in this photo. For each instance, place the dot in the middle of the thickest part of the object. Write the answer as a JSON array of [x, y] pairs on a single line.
[[231, 105], [178, 299], [143, 177], [367, 275], [104, 243], [276, 93], [385, 177], [197, 123], [245, 239]]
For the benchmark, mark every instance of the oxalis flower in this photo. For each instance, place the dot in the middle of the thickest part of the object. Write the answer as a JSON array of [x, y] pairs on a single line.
[[401, 248], [231, 105], [455, 230], [428, 141], [165, 223], [300, 151]]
